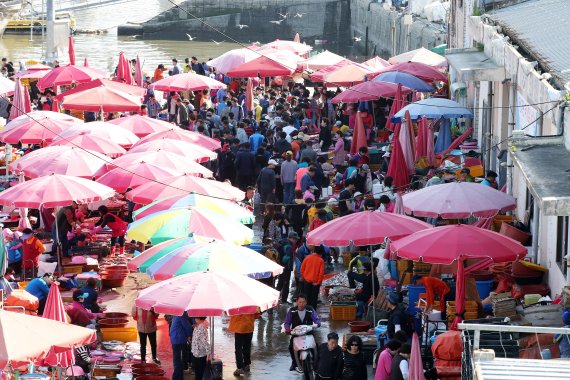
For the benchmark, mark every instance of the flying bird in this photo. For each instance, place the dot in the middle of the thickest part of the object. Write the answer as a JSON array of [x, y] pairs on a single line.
[[241, 26], [283, 16], [357, 39], [216, 42], [135, 36], [190, 37], [277, 22], [300, 15]]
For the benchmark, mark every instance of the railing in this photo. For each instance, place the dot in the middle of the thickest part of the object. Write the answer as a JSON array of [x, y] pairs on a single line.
[[70, 5]]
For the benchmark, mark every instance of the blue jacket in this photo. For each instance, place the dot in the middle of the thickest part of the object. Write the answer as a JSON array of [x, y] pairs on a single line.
[[255, 140], [91, 299], [245, 163], [180, 330], [38, 288]]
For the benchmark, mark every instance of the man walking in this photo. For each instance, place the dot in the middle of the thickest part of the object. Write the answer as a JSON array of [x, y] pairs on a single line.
[[312, 272], [288, 171], [245, 166], [266, 182], [242, 327]]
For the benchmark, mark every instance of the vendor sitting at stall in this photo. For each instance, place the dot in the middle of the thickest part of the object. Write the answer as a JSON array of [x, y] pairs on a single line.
[[90, 302], [434, 286], [357, 262], [118, 228], [32, 248], [79, 315], [39, 288], [366, 278]]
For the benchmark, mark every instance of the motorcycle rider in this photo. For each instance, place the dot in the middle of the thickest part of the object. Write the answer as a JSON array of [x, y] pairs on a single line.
[[301, 314]]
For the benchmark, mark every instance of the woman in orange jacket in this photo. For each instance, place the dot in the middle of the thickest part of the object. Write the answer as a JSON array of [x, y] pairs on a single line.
[[242, 327]]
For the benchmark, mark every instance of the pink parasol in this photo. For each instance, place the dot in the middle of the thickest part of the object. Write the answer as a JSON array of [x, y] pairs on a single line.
[[263, 67], [181, 134], [142, 125], [421, 55], [70, 74], [24, 221], [54, 190], [420, 70], [138, 73], [187, 82], [183, 185], [458, 243], [376, 63], [458, 200], [162, 158], [359, 137], [365, 228], [416, 366], [320, 75], [102, 99], [421, 139], [233, 59], [347, 75], [66, 160], [190, 151], [26, 339], [124, 70], [120, 136], [93, 143], [249, 95], [123, 87], [321, 61], [407, 143], [36, 127], [33, 72], [71, 51], [370, 91], [7, 86], [397, 168], [55, 311], [397, 105], [293, 46], [133, 175], [19, 104], [208, 294]]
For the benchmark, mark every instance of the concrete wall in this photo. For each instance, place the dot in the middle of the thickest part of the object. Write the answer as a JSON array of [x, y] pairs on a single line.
[[383, 32]]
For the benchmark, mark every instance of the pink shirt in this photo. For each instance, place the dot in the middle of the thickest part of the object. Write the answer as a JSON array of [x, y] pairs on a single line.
[[384, 366]]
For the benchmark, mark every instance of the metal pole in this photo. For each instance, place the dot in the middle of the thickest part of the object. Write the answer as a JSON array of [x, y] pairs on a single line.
[[31, 22], [50, 30], [43, 18], [373, 289]]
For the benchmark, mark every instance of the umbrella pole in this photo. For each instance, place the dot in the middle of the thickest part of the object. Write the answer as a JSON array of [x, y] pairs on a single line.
[[373, 290], [211, 338]]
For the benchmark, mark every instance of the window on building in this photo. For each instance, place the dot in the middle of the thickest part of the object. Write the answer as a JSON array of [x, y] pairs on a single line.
[[562, 242]]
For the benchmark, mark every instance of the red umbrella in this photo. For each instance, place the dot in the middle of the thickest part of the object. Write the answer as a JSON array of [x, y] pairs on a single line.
[[187, 82], [69, 74], [183, 185], [135, 174], [416, 363], [36, 127], [114, 85], [320, 75], [55, 311], [33, 72], [249, 95], [102, 99], [181, 134], [189, 151], [420, 70], [124, 70], [430, 149], [365, 228], [397, 168], [120, 136], [262, 67], [138, 73], [71, 51], [458, 200], [359, 137], [370, 91], [421, 140], [94, 143], [142, 125], [458, 243], [407, 143], [348, 75], [19, 105], [397, 105]]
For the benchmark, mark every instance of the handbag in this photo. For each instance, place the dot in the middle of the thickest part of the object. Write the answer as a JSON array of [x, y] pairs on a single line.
[[212, 372]]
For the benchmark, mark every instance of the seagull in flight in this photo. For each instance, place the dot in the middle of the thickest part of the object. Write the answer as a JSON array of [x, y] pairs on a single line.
[[241, 26], [190, 37], [216, 42], [135, 36], [357, 39], [277, 22], [283, 16], [300, 15]]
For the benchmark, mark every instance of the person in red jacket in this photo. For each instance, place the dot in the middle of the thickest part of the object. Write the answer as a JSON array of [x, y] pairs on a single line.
[[312, 272], [118, 228], [434, 286]]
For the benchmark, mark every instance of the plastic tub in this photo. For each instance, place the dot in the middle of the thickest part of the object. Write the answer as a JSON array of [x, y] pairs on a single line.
[[484, 288], [148, 371], [113, 322], [118, 315], [123, 334], [359, 326]]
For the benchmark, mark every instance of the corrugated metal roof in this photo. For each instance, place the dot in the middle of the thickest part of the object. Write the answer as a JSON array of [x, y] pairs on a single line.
[[522, 369], [542, 28]]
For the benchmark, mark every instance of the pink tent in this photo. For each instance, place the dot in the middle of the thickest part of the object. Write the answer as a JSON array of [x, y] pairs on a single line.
[[71, 51], [397, 168], [109, 131], [249, 95], [138, 73], [359, 137], [19, 105], [118, 86], [421, 55], [55, 311], [321, 61], [296, 47], [36, 127]]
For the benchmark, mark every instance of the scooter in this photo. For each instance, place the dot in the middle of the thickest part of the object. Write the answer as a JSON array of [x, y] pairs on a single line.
[[305, 349]]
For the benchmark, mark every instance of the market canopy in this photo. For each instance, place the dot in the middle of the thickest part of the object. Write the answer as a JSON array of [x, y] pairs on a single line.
[[263, 67], [114, 85], [130, 176], [420, 70], [26, 339], [293, 46], [142, 126], [457, 200], [190, 151], [320, 61], [347, 75], [371, 90], [36, 127], [70, 74], [106, 99], [421, 55], [405, 79], [365, 228], [93, 143], [120, 136], [184, 135], [187, 82], [232, 59], [376, 63], [433, 108], [320, 75]]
